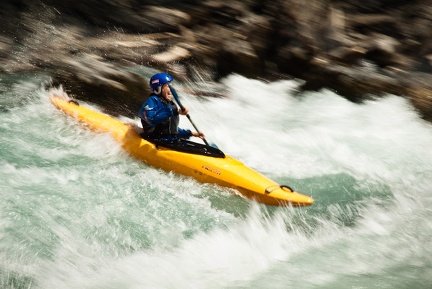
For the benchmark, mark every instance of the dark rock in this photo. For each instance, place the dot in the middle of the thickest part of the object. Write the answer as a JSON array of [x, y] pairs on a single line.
[[348, 55], [422, 100], [356, 85], [375, 23], [157, 19], [238, 56], [418, 88], [357, 48]]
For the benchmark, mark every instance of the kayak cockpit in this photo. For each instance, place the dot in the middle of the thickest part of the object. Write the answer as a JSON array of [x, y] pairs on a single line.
[[186, 146]]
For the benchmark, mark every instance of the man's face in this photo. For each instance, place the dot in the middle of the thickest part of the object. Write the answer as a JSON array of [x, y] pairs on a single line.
[[166, 92]]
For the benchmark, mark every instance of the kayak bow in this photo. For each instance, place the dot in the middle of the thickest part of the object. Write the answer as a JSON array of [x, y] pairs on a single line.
[[224, 171]]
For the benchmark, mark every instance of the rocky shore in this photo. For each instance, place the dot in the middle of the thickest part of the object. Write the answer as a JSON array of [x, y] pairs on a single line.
[[360, 49]]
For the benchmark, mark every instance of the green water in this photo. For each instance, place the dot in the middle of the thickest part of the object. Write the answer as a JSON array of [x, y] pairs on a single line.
[[77, 212]]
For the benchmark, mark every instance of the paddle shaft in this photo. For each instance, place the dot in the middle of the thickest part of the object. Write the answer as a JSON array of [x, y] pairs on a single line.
[[187, 115]]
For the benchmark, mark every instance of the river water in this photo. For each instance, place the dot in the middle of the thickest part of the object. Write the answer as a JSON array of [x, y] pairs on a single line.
[[78, 212]]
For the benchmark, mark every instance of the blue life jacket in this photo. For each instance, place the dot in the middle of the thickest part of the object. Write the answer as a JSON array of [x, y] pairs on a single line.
[[160, 118]]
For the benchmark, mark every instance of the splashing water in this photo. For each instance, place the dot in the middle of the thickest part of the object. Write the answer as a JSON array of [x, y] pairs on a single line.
[[77, 212]]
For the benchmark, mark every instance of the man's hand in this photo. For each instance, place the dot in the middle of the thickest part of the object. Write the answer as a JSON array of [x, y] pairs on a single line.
[[198, 134], [183, 111]]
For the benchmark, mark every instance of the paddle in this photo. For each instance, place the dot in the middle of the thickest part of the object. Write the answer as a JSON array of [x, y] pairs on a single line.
[[176, 97]]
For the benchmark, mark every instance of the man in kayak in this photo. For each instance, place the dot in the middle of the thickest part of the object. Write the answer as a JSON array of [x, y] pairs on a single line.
[[160, 115]]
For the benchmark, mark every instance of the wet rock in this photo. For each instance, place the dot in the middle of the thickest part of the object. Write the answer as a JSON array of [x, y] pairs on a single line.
[[375, 23], [348, 55], [355, 48], [382, 50], [425, 64], [238, 56], [163, 19], [295, 60], [417, 87], [421, 98], [356, 85]]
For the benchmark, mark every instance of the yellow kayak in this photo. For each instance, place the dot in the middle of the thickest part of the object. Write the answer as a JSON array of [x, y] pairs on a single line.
[[206, 168]]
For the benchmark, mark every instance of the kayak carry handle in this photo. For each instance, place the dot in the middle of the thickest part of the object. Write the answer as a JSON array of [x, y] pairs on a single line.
[[270, 189]]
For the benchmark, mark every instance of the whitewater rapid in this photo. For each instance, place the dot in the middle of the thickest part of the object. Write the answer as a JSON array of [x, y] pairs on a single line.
[[77, 212]]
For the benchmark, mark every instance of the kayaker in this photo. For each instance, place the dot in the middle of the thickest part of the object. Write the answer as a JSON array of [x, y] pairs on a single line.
[[160, 115]]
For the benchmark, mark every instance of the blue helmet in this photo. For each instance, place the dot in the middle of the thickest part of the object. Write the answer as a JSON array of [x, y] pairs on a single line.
[[159, 79]]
